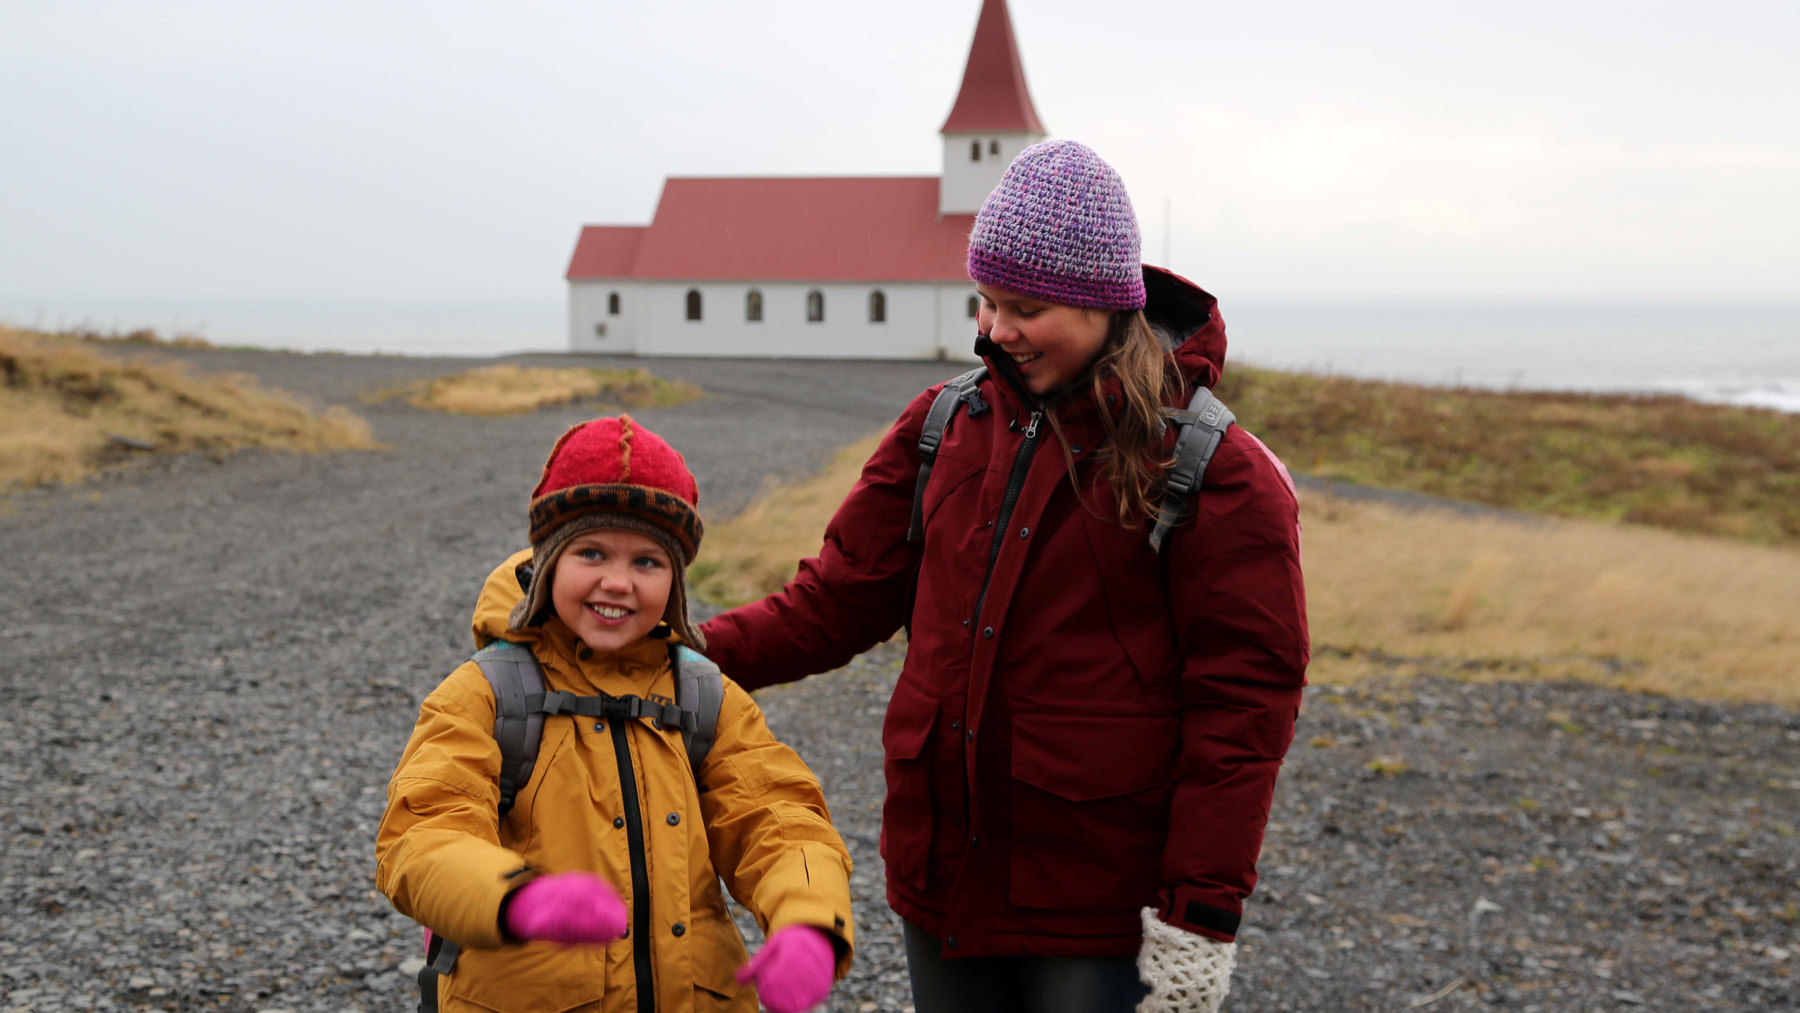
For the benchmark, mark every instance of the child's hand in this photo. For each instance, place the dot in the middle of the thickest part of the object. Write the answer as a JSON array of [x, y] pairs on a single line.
[[793, 971], [569, 907]]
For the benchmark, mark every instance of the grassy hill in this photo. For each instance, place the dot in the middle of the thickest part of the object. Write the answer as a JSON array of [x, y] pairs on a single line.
[[1662, 461], [70, 406], [1666, 561]]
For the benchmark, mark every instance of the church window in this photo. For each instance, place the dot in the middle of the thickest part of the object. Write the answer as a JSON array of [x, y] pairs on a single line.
[[974, 306], [693, 304], [994, 147], [974, 151], [612, 304], [815, 307], [753, 306], [877, 307]]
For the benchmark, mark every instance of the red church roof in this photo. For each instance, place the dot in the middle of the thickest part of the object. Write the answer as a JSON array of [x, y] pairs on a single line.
[[993, 95], [785, 229], [605, 251]]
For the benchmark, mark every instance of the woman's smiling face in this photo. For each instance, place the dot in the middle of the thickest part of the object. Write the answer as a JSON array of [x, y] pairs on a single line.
[[1050, 344]]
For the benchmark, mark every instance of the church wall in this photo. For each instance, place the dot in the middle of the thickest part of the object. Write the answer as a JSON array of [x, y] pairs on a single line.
[[954, 323], [909, 332], [923, 321], [588, 310]]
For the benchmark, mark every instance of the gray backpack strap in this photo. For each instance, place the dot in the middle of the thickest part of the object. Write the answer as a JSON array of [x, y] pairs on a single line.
[[954, 392], [518, 683], [1202, 426], [700, 691], [440, 959]]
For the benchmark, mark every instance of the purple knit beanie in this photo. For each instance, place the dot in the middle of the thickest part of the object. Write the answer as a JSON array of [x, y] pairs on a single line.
[[1059, 227]]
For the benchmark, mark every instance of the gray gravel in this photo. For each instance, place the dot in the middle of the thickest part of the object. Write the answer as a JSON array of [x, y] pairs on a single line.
[[210, 667]]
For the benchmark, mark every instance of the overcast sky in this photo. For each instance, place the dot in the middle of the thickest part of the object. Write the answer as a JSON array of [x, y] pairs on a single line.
[[450, 151]]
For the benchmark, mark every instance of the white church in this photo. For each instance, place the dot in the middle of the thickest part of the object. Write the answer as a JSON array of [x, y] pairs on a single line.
[[848, 267]]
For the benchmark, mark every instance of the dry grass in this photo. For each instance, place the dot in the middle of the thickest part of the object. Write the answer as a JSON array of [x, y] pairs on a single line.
[[756, 552], [515, 390], [1663, 461], [143, 336], [1624, 605], [67, 410]]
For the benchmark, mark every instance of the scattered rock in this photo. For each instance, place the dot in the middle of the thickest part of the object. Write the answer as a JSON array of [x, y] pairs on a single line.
[[222, 664]]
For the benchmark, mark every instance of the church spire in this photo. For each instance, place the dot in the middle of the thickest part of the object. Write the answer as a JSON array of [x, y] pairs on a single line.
[[993, 96], [993, 118]]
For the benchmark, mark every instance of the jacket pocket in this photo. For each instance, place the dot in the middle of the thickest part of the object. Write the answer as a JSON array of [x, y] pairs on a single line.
[[718, 951], [1090, 808], [533, 975], [906, 814], [949, 475]]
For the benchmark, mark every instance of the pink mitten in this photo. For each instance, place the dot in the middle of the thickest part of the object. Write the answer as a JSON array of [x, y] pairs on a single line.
[[793, 970], [569, 907]]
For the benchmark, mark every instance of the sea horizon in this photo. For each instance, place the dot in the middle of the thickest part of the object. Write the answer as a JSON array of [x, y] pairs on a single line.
[[1720, 350]]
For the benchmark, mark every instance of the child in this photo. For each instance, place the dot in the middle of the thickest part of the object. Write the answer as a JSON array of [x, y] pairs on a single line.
[[600, 888]]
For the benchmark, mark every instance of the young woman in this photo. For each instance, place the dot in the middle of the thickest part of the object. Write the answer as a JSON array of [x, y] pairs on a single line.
[[1083, 742]]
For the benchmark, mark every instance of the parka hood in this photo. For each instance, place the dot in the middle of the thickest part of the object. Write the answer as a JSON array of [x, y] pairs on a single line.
[[1188, 316], [499, 593]]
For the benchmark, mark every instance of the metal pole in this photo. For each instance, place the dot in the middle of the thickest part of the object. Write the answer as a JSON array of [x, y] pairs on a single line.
[[1167, 201]]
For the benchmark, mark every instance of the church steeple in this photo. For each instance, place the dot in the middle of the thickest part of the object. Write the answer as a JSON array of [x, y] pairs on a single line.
[[993, 118]]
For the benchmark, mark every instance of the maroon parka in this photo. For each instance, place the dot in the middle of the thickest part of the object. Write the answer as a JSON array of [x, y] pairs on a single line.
[[1082, 727]]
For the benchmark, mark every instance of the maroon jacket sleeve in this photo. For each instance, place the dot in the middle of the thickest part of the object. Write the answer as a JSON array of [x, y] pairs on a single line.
[[1240, 608], [851, 596]]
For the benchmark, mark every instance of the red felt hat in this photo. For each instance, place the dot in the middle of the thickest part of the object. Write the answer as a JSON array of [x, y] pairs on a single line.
[[612, 473], [614, 465]]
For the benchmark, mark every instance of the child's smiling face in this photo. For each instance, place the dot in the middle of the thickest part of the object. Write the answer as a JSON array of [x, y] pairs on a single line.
[[611, 587]]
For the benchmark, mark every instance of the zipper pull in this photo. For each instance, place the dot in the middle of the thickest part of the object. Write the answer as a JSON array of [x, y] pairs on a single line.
[[1031, 430]]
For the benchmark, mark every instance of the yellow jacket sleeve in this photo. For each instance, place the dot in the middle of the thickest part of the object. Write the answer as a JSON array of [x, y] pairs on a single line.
[[769, 831], [438, 855]]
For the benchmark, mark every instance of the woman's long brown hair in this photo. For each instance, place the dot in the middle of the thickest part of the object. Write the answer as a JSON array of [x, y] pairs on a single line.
[[1134, 462]]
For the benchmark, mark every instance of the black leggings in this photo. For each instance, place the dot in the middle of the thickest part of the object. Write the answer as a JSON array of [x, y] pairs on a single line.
[[1018, 984]]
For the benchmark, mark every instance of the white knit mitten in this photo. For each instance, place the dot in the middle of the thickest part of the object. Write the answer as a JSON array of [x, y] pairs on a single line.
[[1186, 972]]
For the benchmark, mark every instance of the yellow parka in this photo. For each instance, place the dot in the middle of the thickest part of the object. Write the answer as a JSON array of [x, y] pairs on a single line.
[[759, 823]]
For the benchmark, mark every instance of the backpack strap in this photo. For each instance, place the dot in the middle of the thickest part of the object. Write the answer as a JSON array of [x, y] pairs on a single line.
[[1201, 427], [518, 685], [440, 959], [700, 692], [951, 396], [618, 708]]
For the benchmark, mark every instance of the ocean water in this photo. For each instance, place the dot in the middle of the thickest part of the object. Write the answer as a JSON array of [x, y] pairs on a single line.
[[391, 328], [1737, 353], [1734, 352]]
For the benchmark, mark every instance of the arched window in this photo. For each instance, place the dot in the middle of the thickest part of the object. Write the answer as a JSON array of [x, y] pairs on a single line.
[[974, 151], [612, 304], [693, 304], [974, 306], [815, 307], [877, 307], [753, 306], [994, 147]]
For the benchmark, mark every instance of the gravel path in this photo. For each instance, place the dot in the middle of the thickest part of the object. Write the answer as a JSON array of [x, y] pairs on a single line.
[[211, 667]]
